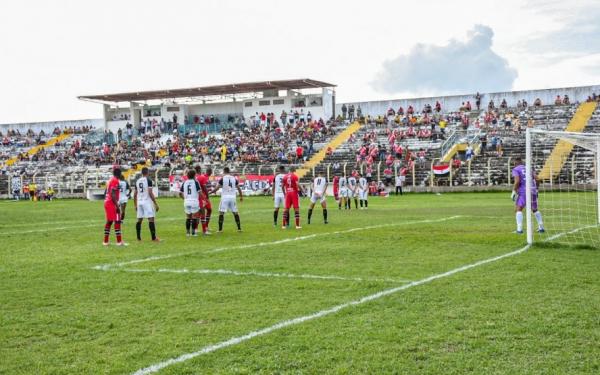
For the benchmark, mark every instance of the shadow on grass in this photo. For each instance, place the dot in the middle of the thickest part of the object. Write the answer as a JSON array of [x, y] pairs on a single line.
[[564, 246]]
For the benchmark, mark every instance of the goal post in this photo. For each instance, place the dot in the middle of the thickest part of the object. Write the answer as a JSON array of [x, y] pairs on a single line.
[[565, 167]]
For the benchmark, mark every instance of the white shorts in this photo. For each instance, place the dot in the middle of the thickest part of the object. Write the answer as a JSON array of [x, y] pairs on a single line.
[[228, 204], [343, 192], [191, 207], [278, 200], [363, 194], [318, 197], [145, 210], [350, 193], [122, 201]]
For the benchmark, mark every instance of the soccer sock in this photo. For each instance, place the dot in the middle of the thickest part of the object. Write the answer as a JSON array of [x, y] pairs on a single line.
[[203, 222], [188, 224], [118, 231], [309, 214], [208, 212], [519, 217], [194, 225], [237, 221], [138, 230], [297, 217], [122, 215], [286, 217], [366, 203], [538, 218], [221, 219], [356, 203], [152, 229], [361, 203], [275, 215], [107, 230], [325, 214]]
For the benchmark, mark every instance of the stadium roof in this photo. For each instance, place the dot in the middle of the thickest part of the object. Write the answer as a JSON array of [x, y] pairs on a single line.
[[230, 89]]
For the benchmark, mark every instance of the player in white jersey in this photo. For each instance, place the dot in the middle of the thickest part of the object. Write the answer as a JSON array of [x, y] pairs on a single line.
[[229, 189], [278, 194], [145, 205], [352, 192], [124, 194], [190, 192], [343, 182], [363, 192], [319, 193]]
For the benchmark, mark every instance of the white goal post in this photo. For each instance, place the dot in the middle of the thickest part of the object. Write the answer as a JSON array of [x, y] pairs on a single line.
[[565, 166]]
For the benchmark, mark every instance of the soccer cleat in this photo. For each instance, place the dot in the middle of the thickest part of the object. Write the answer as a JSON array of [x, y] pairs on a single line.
[[122, 243], [187, 234], [541, 230], [298, 227], [220, 231], [518, 232], [283, 227], [156, 240], [239, 230], [105, 243], [195, 235], [326, 222]]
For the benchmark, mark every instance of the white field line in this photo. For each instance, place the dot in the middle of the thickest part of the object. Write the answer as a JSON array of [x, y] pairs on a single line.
[[558, 235], [264, 274], [319, 314], [270, 243], [96, 223]]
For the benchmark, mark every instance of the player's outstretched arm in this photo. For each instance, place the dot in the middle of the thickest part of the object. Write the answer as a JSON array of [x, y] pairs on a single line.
[[239, 189]]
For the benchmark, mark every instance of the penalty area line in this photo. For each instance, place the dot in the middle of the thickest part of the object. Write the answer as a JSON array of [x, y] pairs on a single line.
[[105, 267], [262, 274], [319, 314]]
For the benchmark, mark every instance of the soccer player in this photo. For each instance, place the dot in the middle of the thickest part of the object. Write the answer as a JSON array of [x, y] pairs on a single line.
[[336, 190], [190, 192], [205, 198], [124, 194], [229, 189], [202, 199], [145, 205], [352, 192], [292, 189], [111, 208], [343, 182], [363, 192], [319, 190], [518, 195], [278, 196]]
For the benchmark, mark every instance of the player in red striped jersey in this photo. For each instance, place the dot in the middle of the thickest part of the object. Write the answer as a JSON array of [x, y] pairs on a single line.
[[111, 208]]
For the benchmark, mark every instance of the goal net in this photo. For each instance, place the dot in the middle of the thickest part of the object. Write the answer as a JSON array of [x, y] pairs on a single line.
[[565, 168]]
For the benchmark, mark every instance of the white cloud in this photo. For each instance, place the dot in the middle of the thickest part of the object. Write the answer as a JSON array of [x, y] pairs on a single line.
[[457, 67]]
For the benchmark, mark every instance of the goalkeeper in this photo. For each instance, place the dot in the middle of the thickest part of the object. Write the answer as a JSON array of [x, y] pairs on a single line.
[[518, 196]]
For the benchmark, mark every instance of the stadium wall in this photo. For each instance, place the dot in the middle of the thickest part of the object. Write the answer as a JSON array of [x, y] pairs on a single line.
[[453, 102]]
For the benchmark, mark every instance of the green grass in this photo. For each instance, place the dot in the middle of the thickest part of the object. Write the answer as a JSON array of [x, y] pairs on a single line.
[[536, 312]]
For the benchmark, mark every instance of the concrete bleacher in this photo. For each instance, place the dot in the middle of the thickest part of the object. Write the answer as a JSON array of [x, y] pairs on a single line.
[[488, 168]]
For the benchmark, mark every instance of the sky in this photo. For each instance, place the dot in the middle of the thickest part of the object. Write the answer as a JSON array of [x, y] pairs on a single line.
[[53, 51]]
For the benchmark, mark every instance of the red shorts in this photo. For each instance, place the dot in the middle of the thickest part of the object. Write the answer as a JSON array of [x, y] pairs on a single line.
[[111, 211], [291, 199], [336, 194], [205, 203]]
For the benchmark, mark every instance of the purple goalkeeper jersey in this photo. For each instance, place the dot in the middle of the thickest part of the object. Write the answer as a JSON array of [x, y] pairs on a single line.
[[519, 171]]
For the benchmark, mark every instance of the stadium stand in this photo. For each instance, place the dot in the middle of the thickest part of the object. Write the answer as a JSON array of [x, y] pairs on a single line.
[[478, 144]]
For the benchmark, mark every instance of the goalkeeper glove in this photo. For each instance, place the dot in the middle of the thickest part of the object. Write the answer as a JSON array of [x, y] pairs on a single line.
[[513, 196]]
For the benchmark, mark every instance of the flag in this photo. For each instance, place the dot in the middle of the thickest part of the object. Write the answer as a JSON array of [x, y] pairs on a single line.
[[440, 170]]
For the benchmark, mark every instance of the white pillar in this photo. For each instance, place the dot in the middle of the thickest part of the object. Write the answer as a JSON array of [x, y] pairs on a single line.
[[528, 184]]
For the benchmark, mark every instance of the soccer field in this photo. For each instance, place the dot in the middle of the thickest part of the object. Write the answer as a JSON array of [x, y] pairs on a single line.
[[417, 284]]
